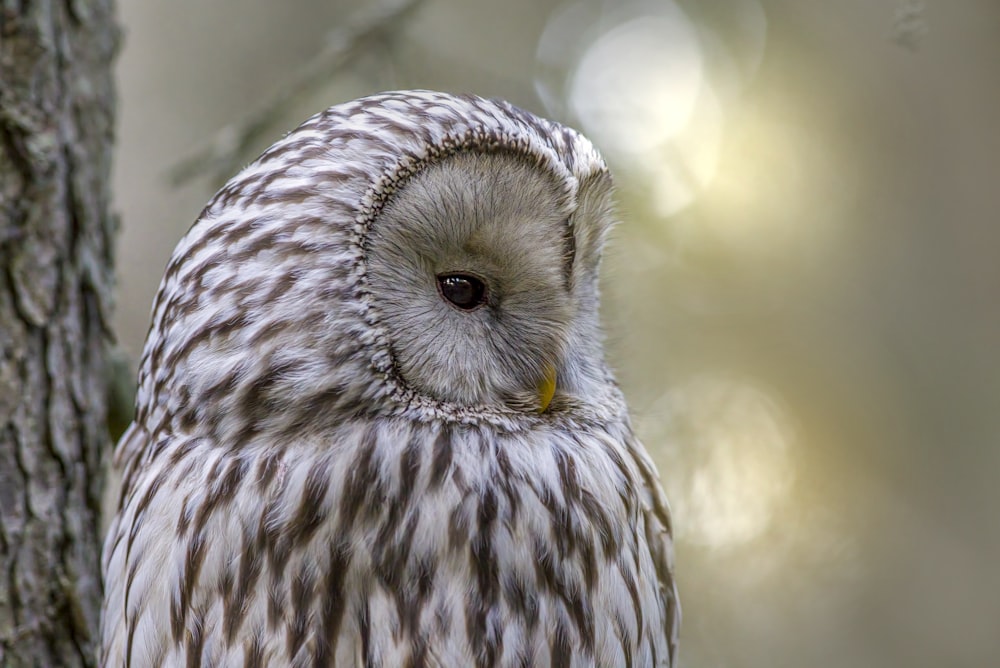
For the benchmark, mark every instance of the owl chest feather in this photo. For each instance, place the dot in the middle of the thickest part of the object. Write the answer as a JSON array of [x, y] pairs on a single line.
[[395, 544]]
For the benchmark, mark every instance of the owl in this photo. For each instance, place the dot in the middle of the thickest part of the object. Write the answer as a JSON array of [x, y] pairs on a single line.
[[374, 424]]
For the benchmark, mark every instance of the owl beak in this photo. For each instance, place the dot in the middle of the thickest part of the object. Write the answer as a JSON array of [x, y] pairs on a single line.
[[546, 388]]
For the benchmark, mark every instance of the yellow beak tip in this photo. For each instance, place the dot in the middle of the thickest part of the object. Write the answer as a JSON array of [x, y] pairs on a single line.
[[546, 388]]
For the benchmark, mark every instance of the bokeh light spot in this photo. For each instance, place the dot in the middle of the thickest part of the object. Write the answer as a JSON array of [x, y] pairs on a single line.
[[639, 89], [728, 465], [637, 84]]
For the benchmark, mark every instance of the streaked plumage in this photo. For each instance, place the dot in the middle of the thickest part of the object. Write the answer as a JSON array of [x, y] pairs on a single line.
[[330, 465]]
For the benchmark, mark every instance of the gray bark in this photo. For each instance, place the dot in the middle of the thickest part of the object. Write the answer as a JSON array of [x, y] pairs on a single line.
[[56, 233]]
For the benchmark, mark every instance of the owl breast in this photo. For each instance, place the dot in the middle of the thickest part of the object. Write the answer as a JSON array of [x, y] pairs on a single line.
[[398, 543]]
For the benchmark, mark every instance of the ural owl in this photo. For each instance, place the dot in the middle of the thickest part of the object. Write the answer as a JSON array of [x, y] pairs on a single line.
[[374, 423]]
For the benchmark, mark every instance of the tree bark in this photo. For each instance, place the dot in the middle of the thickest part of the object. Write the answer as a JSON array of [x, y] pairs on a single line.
[[56, 234]]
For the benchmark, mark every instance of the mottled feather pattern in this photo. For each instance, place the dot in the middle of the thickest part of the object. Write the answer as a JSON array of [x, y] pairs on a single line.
[[291, 497]]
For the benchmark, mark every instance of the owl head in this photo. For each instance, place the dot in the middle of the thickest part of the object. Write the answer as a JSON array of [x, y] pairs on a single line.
[[410, 253]]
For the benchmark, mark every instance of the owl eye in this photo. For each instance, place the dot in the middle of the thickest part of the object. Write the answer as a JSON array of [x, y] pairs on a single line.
[[464, 291]]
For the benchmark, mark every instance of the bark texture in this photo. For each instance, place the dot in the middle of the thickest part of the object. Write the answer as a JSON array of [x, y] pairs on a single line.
[[56, 232]]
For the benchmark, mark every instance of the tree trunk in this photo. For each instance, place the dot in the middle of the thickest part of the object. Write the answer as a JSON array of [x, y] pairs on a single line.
[[56, 232]]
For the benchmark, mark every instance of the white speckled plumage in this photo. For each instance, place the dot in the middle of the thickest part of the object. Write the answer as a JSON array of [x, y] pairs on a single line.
[[311, 481]]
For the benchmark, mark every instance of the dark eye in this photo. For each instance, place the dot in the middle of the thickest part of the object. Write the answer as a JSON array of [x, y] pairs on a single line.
[[464, 291]]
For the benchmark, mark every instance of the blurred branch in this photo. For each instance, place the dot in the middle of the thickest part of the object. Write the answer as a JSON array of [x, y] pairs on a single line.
[[119, 378], [368, 26]]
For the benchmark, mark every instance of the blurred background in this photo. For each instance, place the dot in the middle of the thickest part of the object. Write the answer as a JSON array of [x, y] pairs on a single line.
[[802, 300]]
